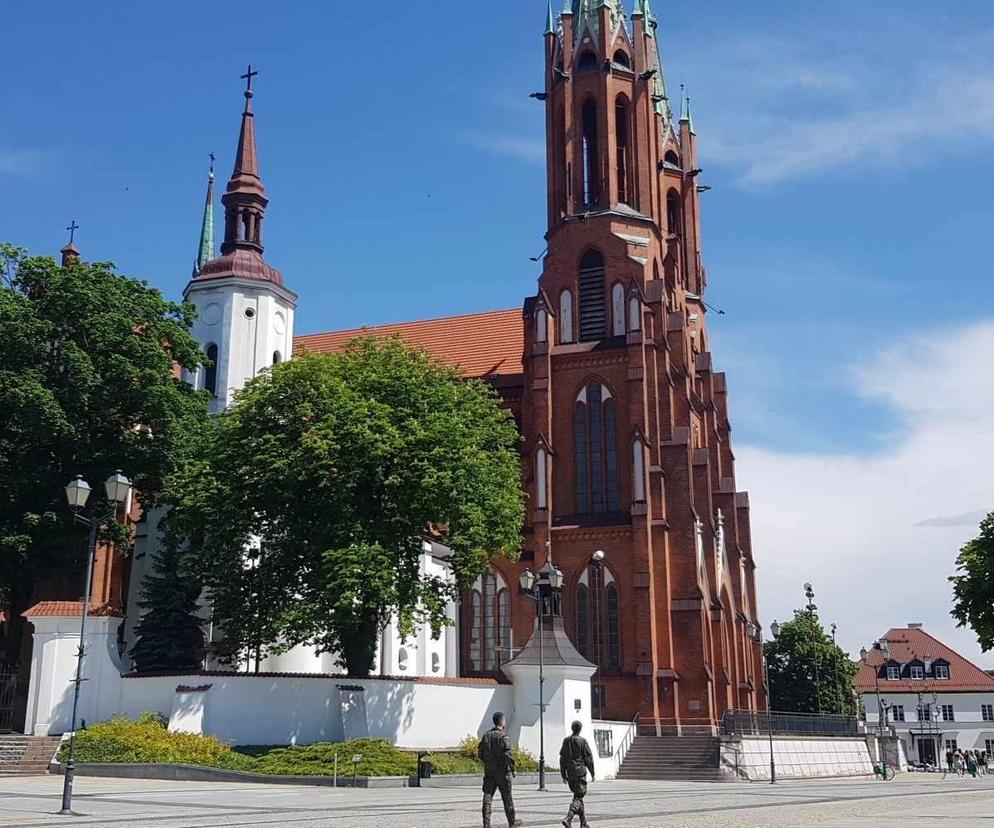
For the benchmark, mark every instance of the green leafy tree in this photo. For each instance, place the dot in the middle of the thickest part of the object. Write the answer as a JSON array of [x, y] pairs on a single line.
[[791, 658], [973, 588], [170, 635], [309, 509], [87, 386]]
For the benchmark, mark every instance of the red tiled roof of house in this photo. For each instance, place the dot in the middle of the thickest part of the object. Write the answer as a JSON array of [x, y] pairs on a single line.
[[69, 609], [908, 644], [479, 344]]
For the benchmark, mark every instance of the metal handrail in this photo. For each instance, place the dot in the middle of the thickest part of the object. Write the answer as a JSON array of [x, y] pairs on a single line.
[[753, 722], [628, 739]]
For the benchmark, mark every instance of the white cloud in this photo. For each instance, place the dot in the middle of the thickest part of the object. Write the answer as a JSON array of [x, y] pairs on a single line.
[[12, 161], [520, 147], [878, 534], [809, 100]]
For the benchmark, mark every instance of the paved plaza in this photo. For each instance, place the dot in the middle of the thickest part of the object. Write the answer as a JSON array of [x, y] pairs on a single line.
[[914, 800]]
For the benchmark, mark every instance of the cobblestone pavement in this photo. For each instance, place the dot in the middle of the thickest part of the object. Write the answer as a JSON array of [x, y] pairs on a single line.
[[924, 801]]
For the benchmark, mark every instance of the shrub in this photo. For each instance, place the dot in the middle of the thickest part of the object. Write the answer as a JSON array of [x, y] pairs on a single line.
[[523, 760]]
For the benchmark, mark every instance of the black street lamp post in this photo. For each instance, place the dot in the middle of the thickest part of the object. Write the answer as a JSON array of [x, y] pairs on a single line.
[[118, 487], [809, 593], [774, 631], [884, 648], [597, 562], [544, 590]]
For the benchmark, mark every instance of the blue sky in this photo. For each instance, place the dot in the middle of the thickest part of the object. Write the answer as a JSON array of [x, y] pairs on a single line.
[[850, 148]]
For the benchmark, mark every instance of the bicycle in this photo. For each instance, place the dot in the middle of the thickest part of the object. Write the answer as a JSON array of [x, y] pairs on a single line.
[[884, 772]]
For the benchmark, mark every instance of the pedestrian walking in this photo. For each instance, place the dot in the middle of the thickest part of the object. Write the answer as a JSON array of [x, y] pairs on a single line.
[[575, 759], [971, 763], [982, 758], [498, 770], [949, 760], [959, 763]]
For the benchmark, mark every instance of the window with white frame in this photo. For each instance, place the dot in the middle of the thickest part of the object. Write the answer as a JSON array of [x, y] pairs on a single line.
[[942, 672], [893, 672], [925, 713], [987, 712], [948, 714], [916, 672], [897, 713], [989, 746], [951, 746]]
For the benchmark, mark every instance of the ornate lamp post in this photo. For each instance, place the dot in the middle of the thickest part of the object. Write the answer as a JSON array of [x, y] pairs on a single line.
[[809, 593], [884, 648], [544, 589], [775, 632], [117, 487], [597, 562]]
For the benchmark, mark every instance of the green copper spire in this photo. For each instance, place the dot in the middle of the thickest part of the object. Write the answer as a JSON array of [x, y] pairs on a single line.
[[685, 113], [550, 21], [206, 252]]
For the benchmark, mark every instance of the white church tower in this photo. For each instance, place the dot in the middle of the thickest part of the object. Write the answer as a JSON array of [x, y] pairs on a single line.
[[245, 314]]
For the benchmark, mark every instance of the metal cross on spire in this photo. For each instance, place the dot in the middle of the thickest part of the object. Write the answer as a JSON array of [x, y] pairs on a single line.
[[247, 77], [212, 163], [72, 228]]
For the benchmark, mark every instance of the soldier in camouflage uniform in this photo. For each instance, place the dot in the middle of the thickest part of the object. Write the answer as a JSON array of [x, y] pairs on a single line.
[[575, 759], [498, 770]]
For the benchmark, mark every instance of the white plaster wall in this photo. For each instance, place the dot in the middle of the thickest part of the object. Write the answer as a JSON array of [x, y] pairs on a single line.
[[797, 758], [622, 733], [968, 727], [53, 668]]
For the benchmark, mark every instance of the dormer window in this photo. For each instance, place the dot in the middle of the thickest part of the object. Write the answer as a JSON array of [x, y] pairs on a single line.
[[916, 672], [893, 672], [942, 672]]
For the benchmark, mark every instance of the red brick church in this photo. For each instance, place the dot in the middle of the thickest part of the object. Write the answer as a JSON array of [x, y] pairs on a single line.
[[608, 370]]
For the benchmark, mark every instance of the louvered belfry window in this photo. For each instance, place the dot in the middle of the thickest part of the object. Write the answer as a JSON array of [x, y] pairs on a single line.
[[593, 311]]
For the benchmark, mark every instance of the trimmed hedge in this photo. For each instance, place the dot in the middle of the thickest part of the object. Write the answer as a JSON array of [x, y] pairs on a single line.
[[147, 740]]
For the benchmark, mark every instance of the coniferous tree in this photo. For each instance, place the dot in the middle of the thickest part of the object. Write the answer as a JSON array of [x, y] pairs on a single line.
[[170, 635]]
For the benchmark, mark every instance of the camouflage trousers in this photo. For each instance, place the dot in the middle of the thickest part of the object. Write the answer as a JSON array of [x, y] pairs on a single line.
[[576, 808], [492, 784]]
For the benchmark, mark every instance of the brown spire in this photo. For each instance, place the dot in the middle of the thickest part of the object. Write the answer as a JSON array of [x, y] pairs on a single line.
[[244, 203]]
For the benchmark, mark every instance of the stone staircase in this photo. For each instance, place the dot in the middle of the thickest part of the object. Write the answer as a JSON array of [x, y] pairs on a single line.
[[23, 755], [673, 758]]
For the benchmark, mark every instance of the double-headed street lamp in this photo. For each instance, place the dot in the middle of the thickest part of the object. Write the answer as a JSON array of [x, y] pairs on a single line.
[[117, 487], [775, 632], [544, 589], [884, 649], [809, 593]]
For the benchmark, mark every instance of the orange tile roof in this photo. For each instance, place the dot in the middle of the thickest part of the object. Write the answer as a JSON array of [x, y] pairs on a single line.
[[479, 344], [908, 644], [69, 609]]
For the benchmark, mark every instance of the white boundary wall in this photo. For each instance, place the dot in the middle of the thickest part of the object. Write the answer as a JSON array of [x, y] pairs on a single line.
[[748, 757]]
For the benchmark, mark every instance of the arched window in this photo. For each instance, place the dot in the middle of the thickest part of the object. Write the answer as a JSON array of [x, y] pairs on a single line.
[[598, 625], [621, 137], [542, 326], [210, 370], [587, 61], [591, 156], [621, 57], [277, 357], [618, 310], [673, 212], [436, 663], [634, 314], [541, 479], [595, 451], [489, 623], [638, 471], [592, 314], [672, 159], [565, 317]]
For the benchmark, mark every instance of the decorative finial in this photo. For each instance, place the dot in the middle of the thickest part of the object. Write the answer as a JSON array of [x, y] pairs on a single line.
[[72, 228], [550, 21], [211, 173]]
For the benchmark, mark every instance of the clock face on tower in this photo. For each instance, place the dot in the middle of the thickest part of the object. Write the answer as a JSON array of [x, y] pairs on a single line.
[[212, 314]]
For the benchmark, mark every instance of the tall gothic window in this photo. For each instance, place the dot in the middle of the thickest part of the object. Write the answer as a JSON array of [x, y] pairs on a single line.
[[673, 213], [598, 625], [621, 138], [489, 624], [210, 370], [591, 156], [618, 309], [595, 453], [593, 316], [565, 317]]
